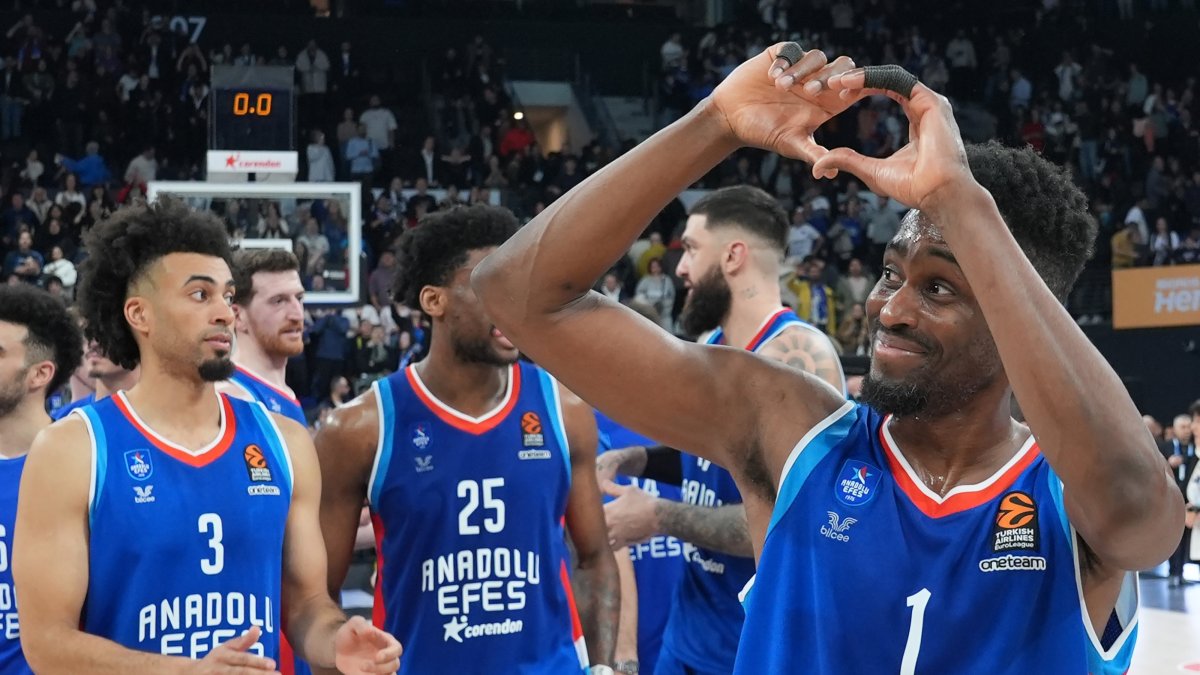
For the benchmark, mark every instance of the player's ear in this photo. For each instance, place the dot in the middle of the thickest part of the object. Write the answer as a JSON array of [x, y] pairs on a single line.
[[239, 319], [40, 374], [433, 300], [137, 313], [735, 257]]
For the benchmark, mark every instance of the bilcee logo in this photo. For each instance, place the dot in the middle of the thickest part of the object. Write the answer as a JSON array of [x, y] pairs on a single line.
[[837, 527]]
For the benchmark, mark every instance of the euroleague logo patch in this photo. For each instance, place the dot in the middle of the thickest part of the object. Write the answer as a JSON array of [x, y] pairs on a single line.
[[256, 464], [1015, 527], [531, 430], [856, 483]]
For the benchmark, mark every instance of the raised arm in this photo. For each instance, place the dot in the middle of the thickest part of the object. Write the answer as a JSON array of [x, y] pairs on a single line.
[[596, 582], [315, 623], [1119, 496], [50, 568], [536, 286]]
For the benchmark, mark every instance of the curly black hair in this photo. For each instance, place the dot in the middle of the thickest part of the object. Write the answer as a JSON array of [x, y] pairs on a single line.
[[747, 207], [1045, 211], [120, 251], [429, 254], [53, 334]]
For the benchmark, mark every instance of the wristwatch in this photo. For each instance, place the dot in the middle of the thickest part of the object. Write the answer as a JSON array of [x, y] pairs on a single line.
[[629, 667], [600, 670]]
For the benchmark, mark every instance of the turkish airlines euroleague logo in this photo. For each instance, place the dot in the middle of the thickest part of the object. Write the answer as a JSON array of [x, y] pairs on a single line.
[[256, 464], [531, 430], [1016, 526]]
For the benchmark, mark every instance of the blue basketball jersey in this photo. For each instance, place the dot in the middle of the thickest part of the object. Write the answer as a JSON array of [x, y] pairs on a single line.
[[62, 412], [468, 513], [706, 621], [284, 403], [12, 660], [657, 563], [186, 550], [275, 399], [865, 570]]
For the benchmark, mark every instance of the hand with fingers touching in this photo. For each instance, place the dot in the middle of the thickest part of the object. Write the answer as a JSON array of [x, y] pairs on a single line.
[[932, 167], [232, 658], [776, 100], [632, 517], [362, 649]]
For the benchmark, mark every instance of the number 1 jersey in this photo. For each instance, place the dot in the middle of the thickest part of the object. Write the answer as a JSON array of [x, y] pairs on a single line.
[[468, 516]]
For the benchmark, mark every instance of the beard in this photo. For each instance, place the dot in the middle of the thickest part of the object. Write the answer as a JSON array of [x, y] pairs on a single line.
[[707, 304], [472, 350], [275, 344], [216, 370], [925, 391], [12, 393]]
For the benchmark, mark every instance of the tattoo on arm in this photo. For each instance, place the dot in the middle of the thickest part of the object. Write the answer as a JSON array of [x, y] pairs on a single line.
[[722, 529], [597, 590], [811, 353]]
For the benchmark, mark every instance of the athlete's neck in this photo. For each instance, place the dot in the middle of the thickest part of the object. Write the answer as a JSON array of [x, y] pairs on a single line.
[[18, 428], [111, 384], [270, 367], [473, 389], [81, 387], [177, 405], [963, 448], [754, 299]]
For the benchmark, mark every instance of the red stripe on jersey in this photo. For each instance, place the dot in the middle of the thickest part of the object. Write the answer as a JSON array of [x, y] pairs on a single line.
[[201, 460], [762, 332], [254, 376], [287, 660], [446, 414], [955, 503], [378, 611], [576, 625]]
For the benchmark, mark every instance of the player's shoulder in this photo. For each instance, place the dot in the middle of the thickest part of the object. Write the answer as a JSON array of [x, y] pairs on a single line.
[[64, 447], [353, 425], [235, 389]]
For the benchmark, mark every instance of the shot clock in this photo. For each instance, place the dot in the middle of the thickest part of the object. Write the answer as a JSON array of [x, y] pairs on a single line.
[[252, 108]]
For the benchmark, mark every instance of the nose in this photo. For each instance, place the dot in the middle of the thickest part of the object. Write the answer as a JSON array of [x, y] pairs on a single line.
[[681, 268], [900, 309]]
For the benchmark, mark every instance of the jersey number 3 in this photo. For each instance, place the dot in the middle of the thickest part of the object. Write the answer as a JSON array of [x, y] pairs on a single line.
[[210, 524], [470, 490]]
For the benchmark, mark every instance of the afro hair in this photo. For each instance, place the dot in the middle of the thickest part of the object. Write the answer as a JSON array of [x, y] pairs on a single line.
[[121, 250], [429, 254], [1045, 211], [53, 334]]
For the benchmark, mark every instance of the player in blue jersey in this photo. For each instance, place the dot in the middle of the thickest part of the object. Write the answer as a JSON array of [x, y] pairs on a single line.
[[166, 528], [733, 246], [107, 377], [478, 468], [944, 537], [268, 303], [40, 344]]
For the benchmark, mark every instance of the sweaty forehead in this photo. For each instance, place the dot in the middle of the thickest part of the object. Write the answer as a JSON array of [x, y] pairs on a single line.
[[916, 227]]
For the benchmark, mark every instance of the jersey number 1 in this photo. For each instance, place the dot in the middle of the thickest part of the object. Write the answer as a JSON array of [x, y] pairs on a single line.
[[918, 601]]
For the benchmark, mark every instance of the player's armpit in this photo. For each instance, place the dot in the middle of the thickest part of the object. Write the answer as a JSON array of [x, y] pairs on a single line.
[[596, 582], [1101, 586], [345, 446], [50, 562], [810, 352]]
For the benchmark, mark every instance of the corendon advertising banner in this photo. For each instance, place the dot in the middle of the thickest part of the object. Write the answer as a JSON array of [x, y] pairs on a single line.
[[1151, 297]]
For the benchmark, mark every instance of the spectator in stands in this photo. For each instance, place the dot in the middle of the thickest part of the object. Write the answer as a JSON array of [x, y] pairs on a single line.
[[815, 301], [313, 67], [1163, 243], [330, 333], [143, 168], [612, 288], [1182, 458], [90, 168], [426, 165], [16, 216], [320, 159], [381, 129], [658, 290], [24, 262], [803, 238], [62, 269], [853, 336], [854, 287], [379, 283], [39, 204], [363, 155], [1125, 245]]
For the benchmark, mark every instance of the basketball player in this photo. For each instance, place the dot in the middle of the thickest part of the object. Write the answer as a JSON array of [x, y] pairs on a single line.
[[40, 344], [268, 306], [929, 532], [154, 525], [106, 376], [733, 245], [473, 462]]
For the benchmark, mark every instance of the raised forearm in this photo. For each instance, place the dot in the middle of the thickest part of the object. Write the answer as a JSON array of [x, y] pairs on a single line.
[[627, 642], [1081, 414], [721, 528], [560, 254], [597, 588]]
